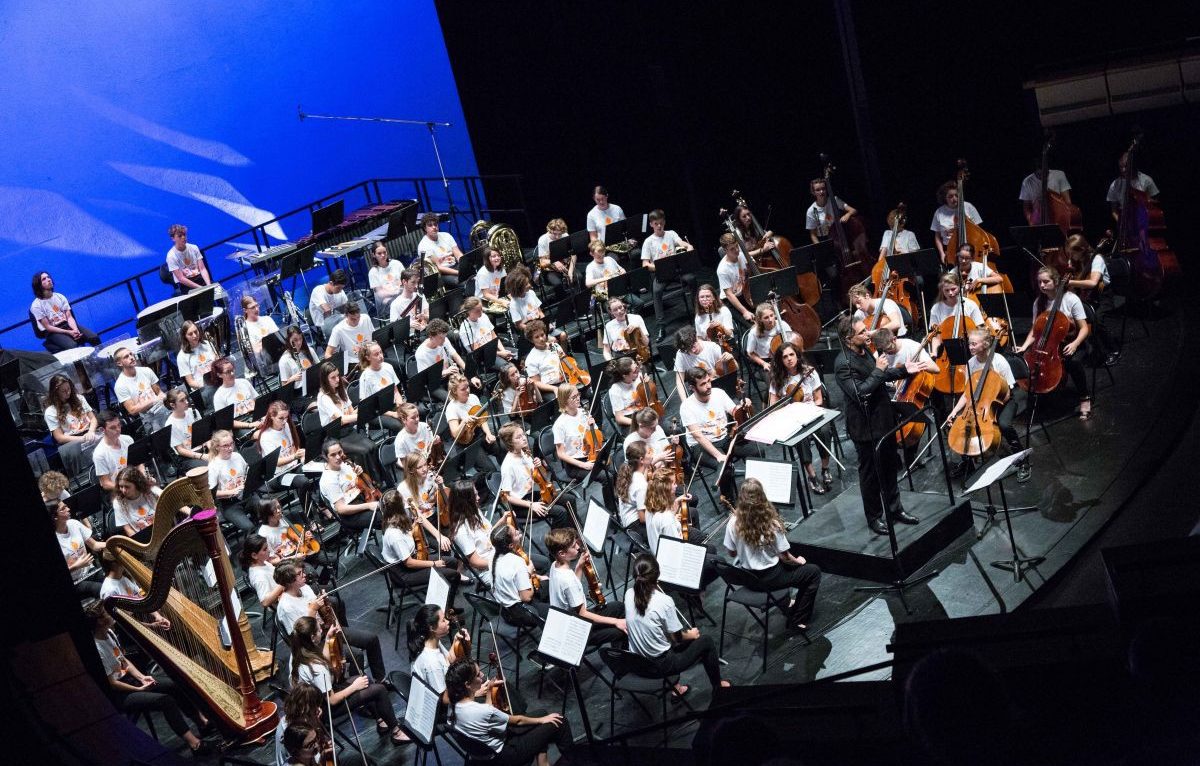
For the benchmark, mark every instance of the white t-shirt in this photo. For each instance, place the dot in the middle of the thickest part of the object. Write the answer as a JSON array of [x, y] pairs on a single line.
[[289, 366], [421, 441], [569, 430], [71, 423], [543, 244], [656, 247], [511, 577], [545, 365], [386, 276], [761, 343], [349, 339], [111, 655], [710, 416], [281, 439], [475, 333], [598, 220], [752, 557], [290, 608], [892, 311], [1143, 182], [809, 384], [137, 513], [373, 381], [440, 251], [456, 410], [259, 329], [608, 269], [820, 218], [1000, 366], [723, 317], [1071, 306], [339, 485], [430, 666], [188, 261], [400, 304], [196, 362], [477, 541], [226, 474], [139, 388], [241, 395], [1100, 265], [906, 351], [516, 475], [628, 509], [524, 308], [397, 545], [943, 220], [614, 331], [482, 723], [316, 674], [649, 633], [657, 445], [489, 280], [940, 312], [329, 410], [707, 359], [566, 592], [108, 460], [73, 544], [51, 311], [906, 242], [428, 356], [1031, 186], [262, 577], [121, 586], [273, 536], [620, 396], [731, 275], [660, 524], [321, 296]]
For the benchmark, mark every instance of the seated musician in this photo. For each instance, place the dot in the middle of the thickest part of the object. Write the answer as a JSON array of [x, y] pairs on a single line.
[[516, 480], [186, 262], [471, 530], [277, 432], [512, 385], [430, 660], [554, 272], [326, 299], [296, 359], [659, 446], [258, 325], [376, 375], [731, 276], [307, 744], [758, 243], [693, 352], [476, 330], [542, 363], [973, 273], [310, 665], [755, 539], [258, 561], [53, 485], [414, 435], [570, 428], [762, 335], [235, 391], [900, 351], [950, 304], [566, 591], [709, 311], [512, 587], [227, 475], [1031, 188], [625, 375], [707, 413], [437, 349], [52, 313], [195, 358], [118, 583], [348, 335], [794, 376], [132, 691], [419, 489], [410, 292], [112, 451], [865, 308], [1084, 260], [980, 341], [655, 631], [945, 217], [399, 546], [819, 218], [138, 391], [664, 518], [664, 243], [334, 405], [906, 241], [459, 418], [602, 214], [490, 277], [339, 487], [630, 487], [384, 277], [1072, 308], [1116, 190], [70, 420], [440, 249], [135, 501], [602, 268], [614, 339], [78, 547], [271, 527]]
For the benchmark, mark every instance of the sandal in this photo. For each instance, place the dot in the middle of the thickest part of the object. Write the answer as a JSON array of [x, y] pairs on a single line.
[[679, 695], [815, 486], [400, 737], [826, 478], [1085, 409]]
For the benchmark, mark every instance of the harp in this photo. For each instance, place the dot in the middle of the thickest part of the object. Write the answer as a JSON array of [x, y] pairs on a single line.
[[189, 579]]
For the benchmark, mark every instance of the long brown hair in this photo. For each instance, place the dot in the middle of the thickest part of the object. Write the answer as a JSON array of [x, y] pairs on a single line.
[[757, 519], [633, 457], [394, 512], [306, 648], [645, 581], [779, 373], [659, 495], [73, 402]]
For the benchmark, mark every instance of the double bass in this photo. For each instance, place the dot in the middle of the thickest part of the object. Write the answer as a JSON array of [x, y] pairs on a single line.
[[1044, 357], [781, 254], [850, 237], [1051, 207], [1132, 239], [897, 290], [966, 230]]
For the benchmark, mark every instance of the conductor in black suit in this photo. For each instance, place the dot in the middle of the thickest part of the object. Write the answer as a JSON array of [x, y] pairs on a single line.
[[868, 417]]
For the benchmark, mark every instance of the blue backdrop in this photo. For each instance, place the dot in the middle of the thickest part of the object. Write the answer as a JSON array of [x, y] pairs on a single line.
[[120, 119]]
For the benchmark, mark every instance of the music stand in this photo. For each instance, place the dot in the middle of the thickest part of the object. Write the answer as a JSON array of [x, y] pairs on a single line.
[[430, 283], [375, 405], [470, 262], [544, 415], [560, 249], [141, 452], [86, 502], [619, 231], [927, 264], [439, 308], [1034, 239], [822, 257], [223, 418], [993, 304], [263, 401], [579, 242], [274, 346], [202, 431], [620, 286], [996, 473], [260, 472], [484, 356], [901, 264], [667, 268], [728, 383], [782, 282], [325, 218]]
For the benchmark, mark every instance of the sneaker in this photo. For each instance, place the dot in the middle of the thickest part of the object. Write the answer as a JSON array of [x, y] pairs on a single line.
[[1024, 471], [1113, 359]]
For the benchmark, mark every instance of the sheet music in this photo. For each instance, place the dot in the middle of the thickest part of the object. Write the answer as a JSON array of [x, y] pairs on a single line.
[[997, 469], [595, 526], [785, 423], [226, 638], [679, 563], [421, 713], [438, 590], [565, 637], [777, 478]]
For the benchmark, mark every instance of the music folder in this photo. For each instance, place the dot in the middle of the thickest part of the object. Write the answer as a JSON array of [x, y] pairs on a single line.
[[564, 637], [680, 562]]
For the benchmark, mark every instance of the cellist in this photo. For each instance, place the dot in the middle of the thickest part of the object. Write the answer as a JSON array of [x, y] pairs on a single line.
[[906, 241], [1082, 260], [819, 217], [566, 591], [949, 304], [761, 338], [1116, 190], [974, 274], [615, 328], [944, 218], [864, 305], [1072, 308], [900, 351], [516, 479], [979, 342], [1031, 188]]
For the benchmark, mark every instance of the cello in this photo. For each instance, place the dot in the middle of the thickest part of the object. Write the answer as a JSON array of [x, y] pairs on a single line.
[[976, 429], [850, 237], [896, 290], [915, 391], [1051, 207], [781, 253], [951, 379], [966, 230], [1044, 358]]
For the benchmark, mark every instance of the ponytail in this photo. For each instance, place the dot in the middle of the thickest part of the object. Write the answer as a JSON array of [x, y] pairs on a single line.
[[458, 676], [645, 581], [420, 627], [502, 542]]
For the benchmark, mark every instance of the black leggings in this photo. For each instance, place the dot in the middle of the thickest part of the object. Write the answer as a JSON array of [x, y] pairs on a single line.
[[684, 655], [163, 697], [523, 743], [376, 699], [806, 579]]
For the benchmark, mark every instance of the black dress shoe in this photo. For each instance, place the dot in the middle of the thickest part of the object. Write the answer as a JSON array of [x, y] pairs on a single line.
[[904, 517], [878, 526]]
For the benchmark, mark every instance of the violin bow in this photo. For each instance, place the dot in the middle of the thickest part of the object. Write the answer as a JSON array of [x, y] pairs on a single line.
[[345, 701], [499, 664]]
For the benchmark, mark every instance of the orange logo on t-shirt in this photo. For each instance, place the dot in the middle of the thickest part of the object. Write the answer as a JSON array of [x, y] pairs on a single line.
[[711, 414], [607, 220], [240, 397], [233, 472], [359, 337], [74, 545], [141, 386], [664, 247], [203, 358], [121, 460], [305, 364], [421, 444], [141, 511], [383, 381]]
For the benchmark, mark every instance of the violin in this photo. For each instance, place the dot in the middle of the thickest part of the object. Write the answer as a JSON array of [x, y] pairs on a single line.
[[677, 449], [528, 400], [966, 230], [976, 430], [915, 391], [571, 371], [1044, 357], [897, 290], [646, 395], [498, 694], [466, 432], [542, 479], [595, 591], [638, 344], [334, 646], [365, 486], [299, 541], [534, 578], [717, 333], [422, 548], [850, 237], [684, 521], [593, 440], [461, 645]]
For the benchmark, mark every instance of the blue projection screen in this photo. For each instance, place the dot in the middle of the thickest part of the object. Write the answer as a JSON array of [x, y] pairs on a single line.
[[120, 119]]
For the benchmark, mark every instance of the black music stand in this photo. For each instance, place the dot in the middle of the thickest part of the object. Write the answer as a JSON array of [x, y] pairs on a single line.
[[470, 262], [822, 258], [274, 346], [430, 283], [995, 474], [928, 266], [579, 242], [994, 305], [902, 265], [260, 472], [325, 218], [560, 249], [543, 416], [202, 431], [223, 418], [440, 307], [86, 502], [781, 282], [483, 357], [263, 401], [728, 383], [374, 406], [619, 231], [620, 286], [141, 452], [297, 262]]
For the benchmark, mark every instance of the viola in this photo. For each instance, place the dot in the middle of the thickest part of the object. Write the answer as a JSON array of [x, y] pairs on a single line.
[[976, 429], [850, 237], [646, 395], [300, 541], [639, 345], [498, 694], [966, 230], [534, 578], [897, 290], [442, 496], [542, 479], [915, 391], [1044, 357], [571, 371], [422, 548], [717, 333], [366, 487], [593, 441], [677, 449], [461, 645], [684, 520]]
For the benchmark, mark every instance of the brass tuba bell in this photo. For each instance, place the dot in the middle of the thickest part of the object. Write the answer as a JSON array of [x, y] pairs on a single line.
[[501, 237]]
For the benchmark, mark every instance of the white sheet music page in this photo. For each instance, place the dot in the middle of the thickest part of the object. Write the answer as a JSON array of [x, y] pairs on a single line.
[[565, 637], [595, 526], [784, 423], [679, 563], [776, 478], [421, 713], [438, 590]]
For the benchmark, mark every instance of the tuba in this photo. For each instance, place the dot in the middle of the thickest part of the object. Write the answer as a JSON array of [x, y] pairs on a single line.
[[501, 237]]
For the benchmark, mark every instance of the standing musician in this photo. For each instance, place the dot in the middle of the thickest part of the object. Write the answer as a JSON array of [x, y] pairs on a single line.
[[663, 243], [602, 268], [512, 586], [440, 249], [419, 490], [112, 452], [647, 431], [195, 359], [868, 417], [626, 377], [52, 313], [864, 305], [325, 301], [437, 349], [566, 591], [945, 217], [69, 418], [731, 274], [793, 375], [980, 341], [471, 531], [295, 360], [349, 335], [257, 325], [415, 435], [1072, 308], [706, 413], [410, 290], [542, 363], [710, 311], [573, 423], [1116, 190], [384, 277], [756, 248], [339, 487], [755, 539], [490, 276], [614, 329], [906, 241], [600, 216], [554, 272], [138, 391], [974, 274], [762, 335], [477, 329], [234, 391], [821, 213], [1084, 260], [516, 479], [185, 262], [377, 375], [1031, 188], [631, 485], [692, 352], [459, 417], [227, 476]]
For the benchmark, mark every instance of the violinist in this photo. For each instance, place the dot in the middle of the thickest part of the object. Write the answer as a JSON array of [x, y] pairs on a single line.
[[375, 376], [459, 418], [303, 709], [516, 479], [1072, 308], [310, 665], [523, 304], [792, 374], [439, 249], [1082, 259], [974, 274], [615, 328], [648, 431], [1116, 189], [945, 217], [271, 525], [625, 376], [630, 487], [755, 540], [710, 311], [762, 335], [471, 531], [333, 404], [430, 660], [731, 274], [949, 305], [339, 487], [572, 425], [511, 384], [258, 561], [512, 587], [979, 342], [1031, 188], [414, 435], [866, 307], [600, 216], [399, 546], [664, 518], [542, 363], [477, 329], [869, 416], [819, 217], [554, 272], [602, 268], [566, 590], [303, 744], [707, 414], [420, 488], [693, 352], [664, 243], [384, 277], [906, 241], [410, 286]]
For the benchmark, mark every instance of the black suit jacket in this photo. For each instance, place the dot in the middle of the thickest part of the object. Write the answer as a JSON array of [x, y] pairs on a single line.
[[868, 402]]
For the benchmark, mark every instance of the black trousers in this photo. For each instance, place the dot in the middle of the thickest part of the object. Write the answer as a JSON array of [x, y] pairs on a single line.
[[374, 698], [164, 697], [689, 289], [805, 579], [684, 655], [57, 341], [523, 743], [725, 483], [526, 615], [607, 634], [872, 481], [1004, 418]]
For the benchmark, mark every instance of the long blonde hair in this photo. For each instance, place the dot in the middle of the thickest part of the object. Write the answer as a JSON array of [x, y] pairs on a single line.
[[412, 461]]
